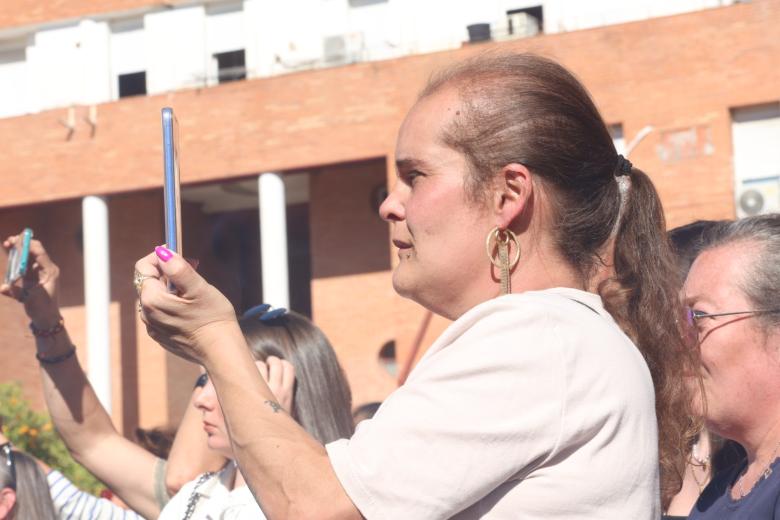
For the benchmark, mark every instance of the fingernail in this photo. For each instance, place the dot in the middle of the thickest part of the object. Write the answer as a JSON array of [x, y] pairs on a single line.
[[163, 253]]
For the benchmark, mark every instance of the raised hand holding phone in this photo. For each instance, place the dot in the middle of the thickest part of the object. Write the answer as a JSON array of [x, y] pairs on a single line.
[[37, 288], [18, 257]]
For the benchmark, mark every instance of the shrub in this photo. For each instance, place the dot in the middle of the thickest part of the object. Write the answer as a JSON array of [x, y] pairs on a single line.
[[32, 432]]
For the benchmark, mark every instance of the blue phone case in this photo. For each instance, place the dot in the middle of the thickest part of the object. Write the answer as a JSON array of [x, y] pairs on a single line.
[[19, 258], [25, 259], [171, 192]]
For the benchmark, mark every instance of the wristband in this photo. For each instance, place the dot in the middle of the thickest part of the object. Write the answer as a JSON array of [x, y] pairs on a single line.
[[51, 331], [56, 359]]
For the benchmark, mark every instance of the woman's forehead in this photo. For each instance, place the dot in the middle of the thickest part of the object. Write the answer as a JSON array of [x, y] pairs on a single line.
[[433, 113], [716, 273]]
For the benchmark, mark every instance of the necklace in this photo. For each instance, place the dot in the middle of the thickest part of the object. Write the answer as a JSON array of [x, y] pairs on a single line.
[[764, 474], [697, 461], [195, 496], [700, 483], [702, 461]]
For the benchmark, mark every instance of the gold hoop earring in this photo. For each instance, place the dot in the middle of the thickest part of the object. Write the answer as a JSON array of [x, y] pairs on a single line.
[[501, 239]]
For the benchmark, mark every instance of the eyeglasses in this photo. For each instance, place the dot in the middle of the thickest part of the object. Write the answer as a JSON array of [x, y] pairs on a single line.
[[263, 312], [693, 315], [8, 451]]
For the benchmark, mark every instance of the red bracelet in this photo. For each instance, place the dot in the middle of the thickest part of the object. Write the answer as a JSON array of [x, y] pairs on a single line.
[[51, 331]]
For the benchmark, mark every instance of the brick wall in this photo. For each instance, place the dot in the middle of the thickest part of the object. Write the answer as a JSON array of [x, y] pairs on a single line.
[[680, 74], [15, 13]]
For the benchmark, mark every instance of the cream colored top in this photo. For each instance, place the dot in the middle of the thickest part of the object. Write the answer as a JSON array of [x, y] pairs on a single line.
[[528, 406], [215, 499]]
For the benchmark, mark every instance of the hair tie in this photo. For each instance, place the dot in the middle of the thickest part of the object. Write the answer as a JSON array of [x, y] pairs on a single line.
[[623, 166]]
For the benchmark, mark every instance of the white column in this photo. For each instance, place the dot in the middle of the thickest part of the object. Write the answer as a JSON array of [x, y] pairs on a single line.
[[273, 239], [97, 295]]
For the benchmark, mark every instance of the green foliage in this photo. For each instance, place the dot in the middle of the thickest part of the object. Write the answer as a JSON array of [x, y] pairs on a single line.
[[33, 433]]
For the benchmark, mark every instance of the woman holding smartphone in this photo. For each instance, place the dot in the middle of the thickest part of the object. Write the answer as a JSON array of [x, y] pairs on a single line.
[[289, 352], [514, 216]]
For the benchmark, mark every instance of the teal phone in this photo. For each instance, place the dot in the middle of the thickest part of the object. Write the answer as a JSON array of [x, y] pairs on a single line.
[[18, 258]]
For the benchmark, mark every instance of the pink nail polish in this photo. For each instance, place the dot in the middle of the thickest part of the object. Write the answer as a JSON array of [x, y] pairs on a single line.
[[163, 253]]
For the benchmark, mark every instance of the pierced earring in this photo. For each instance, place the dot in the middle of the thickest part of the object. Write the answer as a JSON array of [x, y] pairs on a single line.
[[501, 240]]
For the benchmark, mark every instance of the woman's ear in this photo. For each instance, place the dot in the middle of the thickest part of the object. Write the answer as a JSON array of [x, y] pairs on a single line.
[[7, 501], [513, 194]]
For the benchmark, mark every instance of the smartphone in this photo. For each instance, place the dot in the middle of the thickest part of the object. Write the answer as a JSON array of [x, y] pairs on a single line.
[[171, 191], [18, 258]]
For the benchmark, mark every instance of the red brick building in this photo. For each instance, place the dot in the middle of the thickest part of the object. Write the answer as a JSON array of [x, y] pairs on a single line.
[[683, 75]]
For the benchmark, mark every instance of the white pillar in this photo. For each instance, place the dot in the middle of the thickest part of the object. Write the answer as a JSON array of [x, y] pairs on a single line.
[[273, 239], [97, 295]]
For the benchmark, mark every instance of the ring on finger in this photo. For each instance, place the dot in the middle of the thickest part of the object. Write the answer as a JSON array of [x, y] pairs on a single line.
[[138, 281]]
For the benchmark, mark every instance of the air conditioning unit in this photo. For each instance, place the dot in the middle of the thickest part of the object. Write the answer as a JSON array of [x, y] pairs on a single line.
[[758, 196], [343, 48], [522, 25]]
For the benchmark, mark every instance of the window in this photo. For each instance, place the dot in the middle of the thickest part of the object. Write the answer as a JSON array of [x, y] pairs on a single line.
[[231, 66], [527, 21], [387, 358], [128, 59], [131, 84], [226, 42], [755, 134], [13, 81]]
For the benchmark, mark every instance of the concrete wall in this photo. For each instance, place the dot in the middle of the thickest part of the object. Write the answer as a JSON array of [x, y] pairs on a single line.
[[64, 54]]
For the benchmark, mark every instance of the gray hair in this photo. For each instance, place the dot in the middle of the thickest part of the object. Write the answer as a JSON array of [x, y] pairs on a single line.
[[32, 490], [761, 280]]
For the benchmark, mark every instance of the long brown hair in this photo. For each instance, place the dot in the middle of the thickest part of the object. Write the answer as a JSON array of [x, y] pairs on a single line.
[[322, 401], [522, 108]]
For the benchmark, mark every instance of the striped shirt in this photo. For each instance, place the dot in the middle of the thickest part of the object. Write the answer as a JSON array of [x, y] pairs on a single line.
[[71, 503]]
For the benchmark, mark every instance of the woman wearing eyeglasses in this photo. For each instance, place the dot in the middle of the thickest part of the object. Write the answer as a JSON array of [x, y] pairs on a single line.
[[291, 353], [24, 493], [733, 294]]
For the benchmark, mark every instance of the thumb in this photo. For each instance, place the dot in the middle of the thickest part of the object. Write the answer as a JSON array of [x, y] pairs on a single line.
[[178, 271]]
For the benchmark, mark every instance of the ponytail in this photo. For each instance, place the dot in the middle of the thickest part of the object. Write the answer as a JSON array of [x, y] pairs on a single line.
[[643, 297], [522, 108]]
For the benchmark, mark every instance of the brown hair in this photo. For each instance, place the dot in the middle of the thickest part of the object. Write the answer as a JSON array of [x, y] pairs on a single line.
[[322, 400], [522, 108], [158, 441]]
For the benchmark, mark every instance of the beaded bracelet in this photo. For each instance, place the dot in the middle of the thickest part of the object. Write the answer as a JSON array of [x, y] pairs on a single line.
[[56, 359], [51, 331]]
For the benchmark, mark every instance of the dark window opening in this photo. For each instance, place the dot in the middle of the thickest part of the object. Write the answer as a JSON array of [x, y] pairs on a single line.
[[479, 32], [526, 21], [231, 66], [387, 358], [132, 84]]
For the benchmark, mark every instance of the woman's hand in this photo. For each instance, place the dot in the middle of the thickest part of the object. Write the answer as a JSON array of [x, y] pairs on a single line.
[[279, 374], [189, 323], [39, 287]]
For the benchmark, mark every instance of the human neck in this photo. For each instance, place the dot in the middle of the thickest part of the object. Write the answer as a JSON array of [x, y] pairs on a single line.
[[535, 272], [702, 448], [239, 480], [762, 445]]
